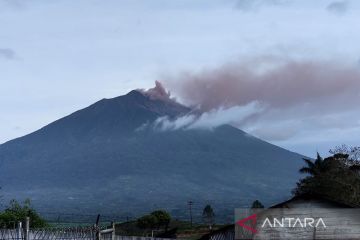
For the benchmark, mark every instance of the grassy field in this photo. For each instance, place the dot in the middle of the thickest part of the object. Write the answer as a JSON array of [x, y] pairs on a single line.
[[183, 229]]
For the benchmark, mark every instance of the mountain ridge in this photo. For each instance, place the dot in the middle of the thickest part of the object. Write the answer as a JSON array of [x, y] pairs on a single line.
[[99, 149]]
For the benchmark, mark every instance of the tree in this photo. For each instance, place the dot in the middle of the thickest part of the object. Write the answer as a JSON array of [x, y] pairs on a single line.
[[163, 218], [147, 222], [159, 218], [208, 215], [257, 204], [16, 212], [314, 168], [352, 152], [336, 177]]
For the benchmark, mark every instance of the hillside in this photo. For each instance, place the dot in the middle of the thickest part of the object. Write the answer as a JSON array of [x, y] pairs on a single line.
[[101, 159]]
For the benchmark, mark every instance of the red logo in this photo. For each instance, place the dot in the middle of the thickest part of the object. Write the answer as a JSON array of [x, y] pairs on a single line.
[[251, 218]]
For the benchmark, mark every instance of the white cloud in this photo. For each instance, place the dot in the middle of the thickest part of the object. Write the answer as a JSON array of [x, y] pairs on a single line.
[[209, 120]]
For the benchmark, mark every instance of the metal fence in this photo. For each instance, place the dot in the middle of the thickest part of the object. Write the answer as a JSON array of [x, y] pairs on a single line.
[[225, 233], [49, 234], [139, 238], [66, 233], [109, 234]]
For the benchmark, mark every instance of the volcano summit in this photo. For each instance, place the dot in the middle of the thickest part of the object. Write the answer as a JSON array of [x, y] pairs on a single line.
[[102, 158]]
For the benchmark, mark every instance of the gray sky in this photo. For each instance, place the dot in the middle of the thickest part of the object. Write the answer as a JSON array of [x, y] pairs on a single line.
[[59, 56]]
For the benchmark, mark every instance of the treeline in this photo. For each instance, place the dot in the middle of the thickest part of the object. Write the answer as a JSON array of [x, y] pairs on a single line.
[[336, 177], [16, 212], [156, 219], [161, 219]]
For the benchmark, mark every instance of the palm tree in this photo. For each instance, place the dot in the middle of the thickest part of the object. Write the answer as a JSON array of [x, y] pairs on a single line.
[[208, 215], [314, 168], [257, 204]]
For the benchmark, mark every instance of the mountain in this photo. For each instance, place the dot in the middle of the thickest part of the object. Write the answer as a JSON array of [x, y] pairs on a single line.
[[102, 158]]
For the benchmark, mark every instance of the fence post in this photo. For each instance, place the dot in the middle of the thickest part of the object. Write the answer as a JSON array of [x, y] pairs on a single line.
[[27, 228], [19, 230], [113, 231], [98, 233]]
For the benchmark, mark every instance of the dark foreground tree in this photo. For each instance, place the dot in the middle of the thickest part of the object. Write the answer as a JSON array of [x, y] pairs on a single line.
[[156, 219], [336, 178], [147, 222], [257, 204], [353, 152], [208, 215], [318, 167], [163, 218], [17, 212]]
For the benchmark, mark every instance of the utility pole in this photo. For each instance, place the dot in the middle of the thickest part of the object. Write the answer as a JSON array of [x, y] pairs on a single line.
[[58, 219], [97, 220], [190, 203], [97, 228]]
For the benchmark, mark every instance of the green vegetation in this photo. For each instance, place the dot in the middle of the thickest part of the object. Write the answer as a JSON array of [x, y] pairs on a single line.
[[163, 219], [182, 229], [147, 222], [336, 177], [160, 224], [16, 212], [208, 216], [155, 220]]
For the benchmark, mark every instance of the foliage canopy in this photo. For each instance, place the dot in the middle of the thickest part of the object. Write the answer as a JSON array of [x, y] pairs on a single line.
[[17, 212], [336, 177]]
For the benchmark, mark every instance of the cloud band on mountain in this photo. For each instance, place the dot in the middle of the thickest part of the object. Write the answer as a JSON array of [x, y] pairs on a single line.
[[210, 119]]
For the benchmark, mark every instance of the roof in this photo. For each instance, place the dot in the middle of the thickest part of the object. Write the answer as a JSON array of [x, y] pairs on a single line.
[[312, 196], [307, 196]]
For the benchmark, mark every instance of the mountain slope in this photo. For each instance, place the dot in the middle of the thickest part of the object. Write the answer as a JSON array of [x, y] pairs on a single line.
[[101, 158]]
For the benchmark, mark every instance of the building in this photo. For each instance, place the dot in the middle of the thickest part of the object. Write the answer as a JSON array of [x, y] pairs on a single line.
[[299, 205]]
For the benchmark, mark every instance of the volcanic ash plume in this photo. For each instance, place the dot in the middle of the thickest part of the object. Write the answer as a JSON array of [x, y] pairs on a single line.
[[157, 92], [275, 83], [276, 90], [198, 119]]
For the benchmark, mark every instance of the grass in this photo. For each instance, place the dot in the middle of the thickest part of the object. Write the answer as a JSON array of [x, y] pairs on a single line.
[[184, 229]]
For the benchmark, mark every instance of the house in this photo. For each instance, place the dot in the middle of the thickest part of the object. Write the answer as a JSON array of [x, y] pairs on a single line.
[[284, 213], [308, 216]]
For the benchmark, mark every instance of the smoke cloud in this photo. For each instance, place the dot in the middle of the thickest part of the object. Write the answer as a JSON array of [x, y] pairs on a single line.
[[338, 7], [7, 53], [275, 83], [249, 5], [157, 92], [287, 93]]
